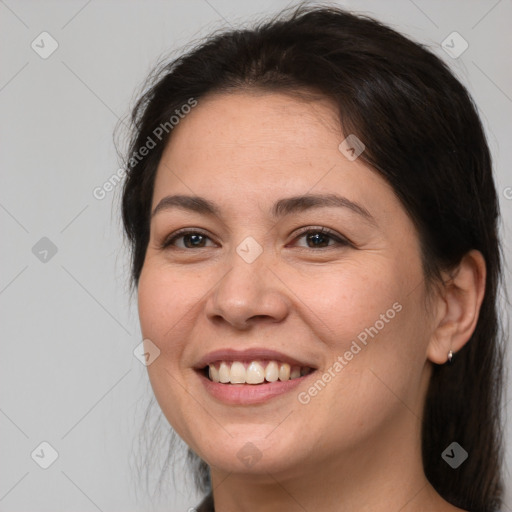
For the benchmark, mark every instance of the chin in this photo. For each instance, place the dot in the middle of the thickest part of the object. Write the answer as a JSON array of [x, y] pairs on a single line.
[[250, 452]]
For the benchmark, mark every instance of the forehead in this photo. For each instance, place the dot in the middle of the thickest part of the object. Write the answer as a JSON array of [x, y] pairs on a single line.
[[252, 119], [256, 145], [252, 139]]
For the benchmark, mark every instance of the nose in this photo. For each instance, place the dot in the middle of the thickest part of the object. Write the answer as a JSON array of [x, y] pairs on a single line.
[[249, 293]]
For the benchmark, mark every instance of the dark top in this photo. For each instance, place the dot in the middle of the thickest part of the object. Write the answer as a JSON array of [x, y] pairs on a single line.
[[206, 505]]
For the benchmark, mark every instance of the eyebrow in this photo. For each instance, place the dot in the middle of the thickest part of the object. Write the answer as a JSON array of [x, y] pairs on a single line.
[[280, 208]]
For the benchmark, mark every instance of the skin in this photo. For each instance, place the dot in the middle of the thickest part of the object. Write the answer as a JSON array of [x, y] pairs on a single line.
[[356, 445]]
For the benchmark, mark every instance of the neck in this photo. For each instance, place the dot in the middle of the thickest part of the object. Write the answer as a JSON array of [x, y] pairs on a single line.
[[385, 475]]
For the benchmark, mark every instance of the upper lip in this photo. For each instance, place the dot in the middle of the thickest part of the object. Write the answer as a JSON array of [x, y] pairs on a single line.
[[249, 355]]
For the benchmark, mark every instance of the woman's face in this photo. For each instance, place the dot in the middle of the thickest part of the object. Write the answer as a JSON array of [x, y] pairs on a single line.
[[255, 285]]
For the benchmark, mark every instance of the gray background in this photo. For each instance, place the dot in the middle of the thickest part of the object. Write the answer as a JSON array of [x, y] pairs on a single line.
[[68, 375]]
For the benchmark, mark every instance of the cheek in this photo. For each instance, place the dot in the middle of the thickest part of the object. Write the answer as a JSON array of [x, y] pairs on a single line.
[[166, 301], [376, 372], [370, 321], [348, 300]]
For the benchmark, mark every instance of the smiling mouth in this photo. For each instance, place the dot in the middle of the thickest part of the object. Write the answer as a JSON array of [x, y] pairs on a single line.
[[253, 372]]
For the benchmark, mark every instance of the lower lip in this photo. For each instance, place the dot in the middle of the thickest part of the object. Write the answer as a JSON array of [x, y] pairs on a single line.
[[249, 394]]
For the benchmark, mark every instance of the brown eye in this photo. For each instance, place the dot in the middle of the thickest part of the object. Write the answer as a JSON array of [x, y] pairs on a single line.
[[318, 239], [321, 238], [190, 240]]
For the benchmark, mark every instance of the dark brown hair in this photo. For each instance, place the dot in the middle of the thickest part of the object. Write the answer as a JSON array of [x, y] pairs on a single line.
[[423, 135]]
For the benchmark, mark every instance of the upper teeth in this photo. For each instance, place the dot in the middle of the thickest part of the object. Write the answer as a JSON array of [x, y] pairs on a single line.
[[255, 372]]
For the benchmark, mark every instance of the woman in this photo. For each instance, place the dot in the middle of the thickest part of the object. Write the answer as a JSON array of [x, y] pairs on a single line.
[[313, 222]]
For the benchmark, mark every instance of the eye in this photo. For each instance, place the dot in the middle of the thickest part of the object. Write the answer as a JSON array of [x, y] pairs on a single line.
[[191, 239], [316, 238], [321, 238]]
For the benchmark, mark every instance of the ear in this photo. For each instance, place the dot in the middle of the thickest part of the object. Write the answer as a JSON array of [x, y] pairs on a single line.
[[458, 307]]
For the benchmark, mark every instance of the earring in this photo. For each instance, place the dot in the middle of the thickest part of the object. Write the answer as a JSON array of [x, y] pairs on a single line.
[[450, 357]]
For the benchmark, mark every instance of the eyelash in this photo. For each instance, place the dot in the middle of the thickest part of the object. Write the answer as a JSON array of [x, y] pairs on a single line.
[[341, 241]]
